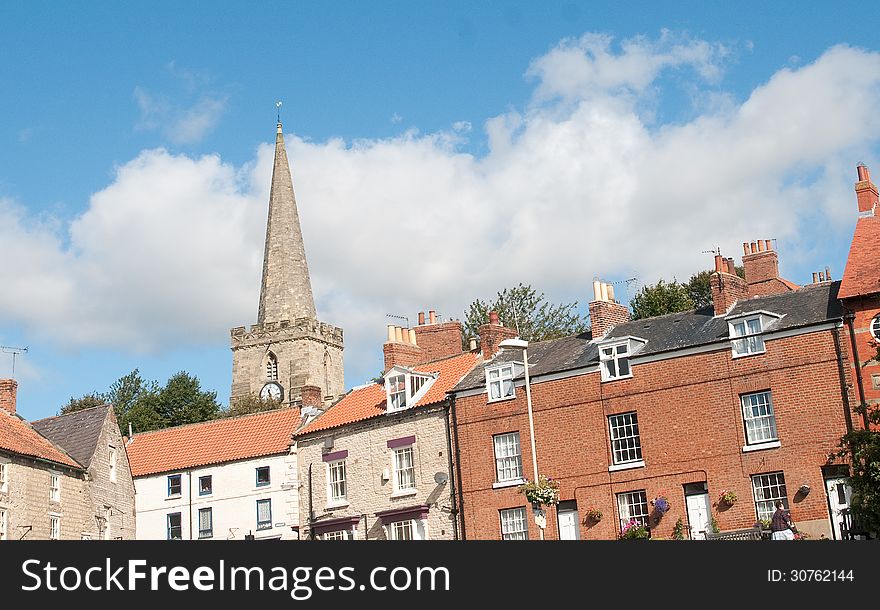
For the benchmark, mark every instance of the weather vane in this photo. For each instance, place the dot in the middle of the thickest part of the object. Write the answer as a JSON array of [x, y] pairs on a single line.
[[278, 110]]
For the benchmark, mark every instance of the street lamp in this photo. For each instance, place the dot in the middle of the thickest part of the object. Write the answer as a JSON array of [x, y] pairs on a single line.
[[540, 517]]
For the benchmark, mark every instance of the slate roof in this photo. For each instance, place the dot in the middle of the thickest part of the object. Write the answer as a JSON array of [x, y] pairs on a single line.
[[17, 436], [812, 304], [221, 440], [76, 432], [369, 401], [860, 276]]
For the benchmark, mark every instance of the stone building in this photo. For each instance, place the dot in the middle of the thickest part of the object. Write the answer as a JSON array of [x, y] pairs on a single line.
[[750, 395], [78, 490], [226, 479], [377, 464], [288, 348], [92, 438]]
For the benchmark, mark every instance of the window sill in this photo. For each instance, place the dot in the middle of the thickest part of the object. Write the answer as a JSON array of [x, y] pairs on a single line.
[[511, 483], [405, 493], [174, 497], [610, 379], [734, 355], [335, 505], [489, 401], [626, 466], [759, 447]]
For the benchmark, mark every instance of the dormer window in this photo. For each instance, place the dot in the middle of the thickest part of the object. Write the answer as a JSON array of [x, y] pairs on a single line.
[[499, 381], [745, 332], [615, 355], [404, 387]]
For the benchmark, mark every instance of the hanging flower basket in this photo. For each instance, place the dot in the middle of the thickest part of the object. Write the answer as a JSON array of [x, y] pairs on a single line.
[[660, 504], [545, 491], [594, 515], [727, 497]]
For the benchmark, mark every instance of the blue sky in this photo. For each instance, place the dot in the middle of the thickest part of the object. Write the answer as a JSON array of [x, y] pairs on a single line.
[[463, 146]]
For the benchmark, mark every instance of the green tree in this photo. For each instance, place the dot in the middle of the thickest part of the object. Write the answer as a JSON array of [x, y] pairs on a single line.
[[182, 401], [85, 402], [660, 299], [251, 404], [134, 402], [523, 307]]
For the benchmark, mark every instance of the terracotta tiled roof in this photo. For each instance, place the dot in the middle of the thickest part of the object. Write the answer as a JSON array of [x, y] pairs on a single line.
[[369, 401], [17, 436], [213, 442], [862, 276]]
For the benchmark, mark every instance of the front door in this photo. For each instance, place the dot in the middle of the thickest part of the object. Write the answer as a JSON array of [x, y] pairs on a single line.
[[568, 524], [839, 494], [698, 515]]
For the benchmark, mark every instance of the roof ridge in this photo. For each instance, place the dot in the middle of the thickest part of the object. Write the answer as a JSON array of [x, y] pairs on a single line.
[[445, 358], [213, 421], [60, 415]]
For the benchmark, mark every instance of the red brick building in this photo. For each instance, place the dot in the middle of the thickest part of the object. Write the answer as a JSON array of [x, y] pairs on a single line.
[[750, 395]]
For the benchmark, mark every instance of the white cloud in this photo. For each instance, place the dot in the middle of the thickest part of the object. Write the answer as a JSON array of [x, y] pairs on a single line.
[[571, 188]]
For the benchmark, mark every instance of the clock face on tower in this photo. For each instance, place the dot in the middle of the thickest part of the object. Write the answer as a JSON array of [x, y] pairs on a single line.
[[272, 390]]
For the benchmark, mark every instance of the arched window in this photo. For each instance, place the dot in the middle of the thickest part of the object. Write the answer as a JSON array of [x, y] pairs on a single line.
[[327, 360], [271, 367]]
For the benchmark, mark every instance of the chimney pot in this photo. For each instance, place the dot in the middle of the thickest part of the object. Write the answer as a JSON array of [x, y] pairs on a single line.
[[815, 277], [390, 332], [864, 174], [745, 247], [412, 336], [760, 245], [821, 276], [432, 317], [731, 268], [398, 334], [604, 292], [597, 290], [754, 247], [421, 318], [768, 244], [493, 318], [611, 292], [472, 343], [718, 262], [828, 273]]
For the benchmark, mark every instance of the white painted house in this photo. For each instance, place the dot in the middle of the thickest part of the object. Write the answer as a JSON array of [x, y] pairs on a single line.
[[226, 479]]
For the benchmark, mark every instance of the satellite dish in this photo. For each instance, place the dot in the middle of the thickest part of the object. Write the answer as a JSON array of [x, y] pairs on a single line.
[[440, 478]]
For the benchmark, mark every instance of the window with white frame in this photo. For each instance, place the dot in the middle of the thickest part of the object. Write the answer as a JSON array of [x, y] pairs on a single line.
[[174, 485], [4, 478], [758, 418], [513, 524], [206, 523], [508, 457], [404, 469], [769, 488], [746, 336], [54, 527], [499, 382], [55, 487], [875, 327], [175, 526], [112, 458], [403, 530], [614, 361], [632, 506], [264, 514], [3, 521], [404, 387], [337, 535], [337, 492], [625, 443], [206, 485]]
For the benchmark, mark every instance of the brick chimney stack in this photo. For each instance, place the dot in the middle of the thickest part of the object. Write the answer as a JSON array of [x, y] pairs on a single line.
[[492, 334], [866, 192], [605, 312], [311, 396], [8, 391], [401, 347], [727, 286], [438, 339]]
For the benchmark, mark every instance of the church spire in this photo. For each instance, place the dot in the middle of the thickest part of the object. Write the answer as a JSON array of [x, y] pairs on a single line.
[[286, 292]]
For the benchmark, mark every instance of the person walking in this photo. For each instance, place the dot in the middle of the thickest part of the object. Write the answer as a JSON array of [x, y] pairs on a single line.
[[780, 524]]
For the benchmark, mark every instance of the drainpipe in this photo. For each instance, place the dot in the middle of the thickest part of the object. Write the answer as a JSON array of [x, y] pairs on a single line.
[[311, 509], [849, 317], [189, 477], [458, 466], [841, 372], [451, 473]]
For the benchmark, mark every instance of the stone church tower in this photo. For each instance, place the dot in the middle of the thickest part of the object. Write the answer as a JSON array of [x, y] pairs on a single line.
[[288, 348]]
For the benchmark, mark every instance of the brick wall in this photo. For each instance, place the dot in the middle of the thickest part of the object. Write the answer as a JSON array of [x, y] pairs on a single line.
[[691, 430]]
